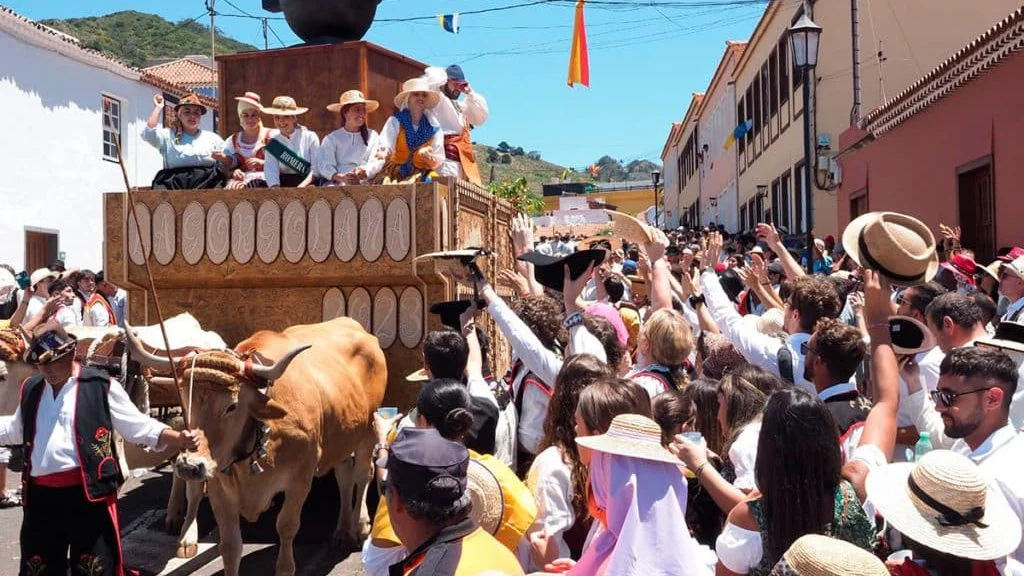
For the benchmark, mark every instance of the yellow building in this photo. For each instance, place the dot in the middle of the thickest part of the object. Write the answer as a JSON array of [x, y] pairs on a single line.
[[629, 197]]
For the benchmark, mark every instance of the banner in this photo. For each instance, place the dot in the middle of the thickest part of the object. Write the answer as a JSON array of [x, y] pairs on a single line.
[[579, 60]]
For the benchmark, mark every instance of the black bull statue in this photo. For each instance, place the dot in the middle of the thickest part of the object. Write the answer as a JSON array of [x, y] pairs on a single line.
[[326, 21]]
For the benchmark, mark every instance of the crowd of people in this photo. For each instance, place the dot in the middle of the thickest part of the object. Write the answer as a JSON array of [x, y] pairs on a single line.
[[427, 136], [696, 403]]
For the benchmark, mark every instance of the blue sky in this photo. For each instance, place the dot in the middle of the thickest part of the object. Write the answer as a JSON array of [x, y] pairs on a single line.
[[645, 61]]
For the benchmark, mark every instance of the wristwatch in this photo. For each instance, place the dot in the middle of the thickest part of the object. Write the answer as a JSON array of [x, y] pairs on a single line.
[[696, 300], [573, 320]]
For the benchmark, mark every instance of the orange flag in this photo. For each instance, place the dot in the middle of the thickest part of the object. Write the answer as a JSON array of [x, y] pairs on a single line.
[[579, 61]]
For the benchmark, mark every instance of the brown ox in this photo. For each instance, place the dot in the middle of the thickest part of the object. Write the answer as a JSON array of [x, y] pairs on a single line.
[[256, 441]]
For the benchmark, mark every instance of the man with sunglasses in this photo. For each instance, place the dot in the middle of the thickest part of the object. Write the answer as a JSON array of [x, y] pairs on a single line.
[[912, 302], [1011, 287], [457, 117]]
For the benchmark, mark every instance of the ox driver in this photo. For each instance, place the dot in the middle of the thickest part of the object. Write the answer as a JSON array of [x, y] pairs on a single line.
[[64, 421]]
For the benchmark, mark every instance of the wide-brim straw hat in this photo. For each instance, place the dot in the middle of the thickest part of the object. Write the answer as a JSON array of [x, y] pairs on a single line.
[[817, 555], [485, 492], [284, 106], [191, 100], [992, 270], [418, 376], [909, 335], [897, 246], [41, 274], [353, 97], [949, 480], [252, 99], [631, 435], [1009, 336], [630, 228], [417, 85]]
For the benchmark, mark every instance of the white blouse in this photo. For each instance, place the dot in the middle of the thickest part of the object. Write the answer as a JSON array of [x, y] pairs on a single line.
[[389, 136], [303, 142], [342, 152], [743, 455], [550, 482]]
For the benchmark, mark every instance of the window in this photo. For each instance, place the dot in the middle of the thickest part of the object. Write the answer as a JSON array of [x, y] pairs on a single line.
[[751, 215], [783, 70], [858, 203], [740, 118], [773, 82], [784, 189], [776, 204], [750, 115], [111, 127], [743, 218], [757, 105], [766, 89], [40, 248]]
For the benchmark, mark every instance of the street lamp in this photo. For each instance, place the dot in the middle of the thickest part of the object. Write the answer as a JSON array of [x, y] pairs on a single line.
[[804, 36], [656, 177]]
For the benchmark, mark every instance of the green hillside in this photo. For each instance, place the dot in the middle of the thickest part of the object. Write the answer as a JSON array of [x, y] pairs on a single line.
[[135, 37], [537, 172]]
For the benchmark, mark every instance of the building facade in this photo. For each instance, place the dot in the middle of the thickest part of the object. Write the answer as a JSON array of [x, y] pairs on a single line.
[[687, 145], [68, 104], [948, 149], [670, 177], [719, 202]]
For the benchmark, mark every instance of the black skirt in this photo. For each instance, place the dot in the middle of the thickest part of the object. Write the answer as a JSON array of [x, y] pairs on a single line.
[[188, 178]]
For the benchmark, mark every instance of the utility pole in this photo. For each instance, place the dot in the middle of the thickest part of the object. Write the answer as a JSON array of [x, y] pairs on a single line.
[[266, 42], [213, 39]]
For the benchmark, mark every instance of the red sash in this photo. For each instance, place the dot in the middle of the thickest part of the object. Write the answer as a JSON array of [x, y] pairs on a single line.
[[98, 298]]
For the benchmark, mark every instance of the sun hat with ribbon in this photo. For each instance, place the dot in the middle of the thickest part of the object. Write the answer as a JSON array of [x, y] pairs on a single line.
[[1015, 267], [909, 335], [817, 555], [417, 85], [249, 100], [353, 97], [631, 435], [897, 246], [191, 100], [944, 502], [284, 106]]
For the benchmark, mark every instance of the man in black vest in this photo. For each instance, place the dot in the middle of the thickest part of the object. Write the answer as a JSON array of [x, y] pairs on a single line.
[[65, 421], [832, 356]]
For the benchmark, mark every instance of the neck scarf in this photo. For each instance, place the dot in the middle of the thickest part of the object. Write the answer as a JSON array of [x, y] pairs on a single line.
[[641, 505], [415, 136]]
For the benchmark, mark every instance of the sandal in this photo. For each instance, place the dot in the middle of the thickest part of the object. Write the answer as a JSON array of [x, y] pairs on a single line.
[[10, 500]]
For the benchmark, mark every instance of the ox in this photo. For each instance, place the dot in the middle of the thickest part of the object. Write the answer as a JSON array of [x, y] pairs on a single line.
[[272, 426]]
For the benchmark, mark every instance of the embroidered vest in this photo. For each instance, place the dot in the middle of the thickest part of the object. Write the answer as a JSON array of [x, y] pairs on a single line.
[[848, 410], [98, 298], [94, 436]]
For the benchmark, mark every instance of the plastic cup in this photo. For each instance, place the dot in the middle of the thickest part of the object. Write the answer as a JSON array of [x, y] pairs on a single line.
[[695, 437], [387, 412]]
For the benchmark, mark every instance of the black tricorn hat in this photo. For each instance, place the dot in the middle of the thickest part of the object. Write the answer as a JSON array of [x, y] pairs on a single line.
[[451, 311], [549, 270]]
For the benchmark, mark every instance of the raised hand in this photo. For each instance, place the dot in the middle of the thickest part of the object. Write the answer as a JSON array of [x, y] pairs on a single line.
[[514, 280], [656, 247], [522, 234], [877, 301], [767, 233]]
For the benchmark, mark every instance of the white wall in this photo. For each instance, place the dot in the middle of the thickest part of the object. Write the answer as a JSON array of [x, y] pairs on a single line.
[[51, 157]]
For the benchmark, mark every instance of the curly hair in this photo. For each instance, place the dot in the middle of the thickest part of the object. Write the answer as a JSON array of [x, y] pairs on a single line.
[[544, 316], [578, 372], [840, 347], [814, 299]]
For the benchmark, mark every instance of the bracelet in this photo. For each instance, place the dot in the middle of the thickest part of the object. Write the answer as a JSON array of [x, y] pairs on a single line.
[[573, 320], [696, 301], [700, 469]]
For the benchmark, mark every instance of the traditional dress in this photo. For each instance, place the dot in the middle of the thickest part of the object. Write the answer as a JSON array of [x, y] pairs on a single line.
[[241, 151], [188, 163], [402, 141], [288, 160], [99, 312], [342, 152], [456, 118], [71, 473]]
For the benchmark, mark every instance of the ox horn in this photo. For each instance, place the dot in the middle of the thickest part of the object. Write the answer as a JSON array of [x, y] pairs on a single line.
[[275, 370], [139, 353]]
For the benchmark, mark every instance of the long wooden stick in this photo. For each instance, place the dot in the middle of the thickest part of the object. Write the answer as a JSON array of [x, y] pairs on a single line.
[[152, 287]]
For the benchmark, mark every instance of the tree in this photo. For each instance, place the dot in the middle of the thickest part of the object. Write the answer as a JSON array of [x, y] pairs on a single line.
[[533, 155], [493, 156], [503, 146], [506, 159], [517, 151], [518, 194]]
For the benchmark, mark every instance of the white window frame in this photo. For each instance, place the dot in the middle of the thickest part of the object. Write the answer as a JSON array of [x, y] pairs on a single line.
[[109, 128]]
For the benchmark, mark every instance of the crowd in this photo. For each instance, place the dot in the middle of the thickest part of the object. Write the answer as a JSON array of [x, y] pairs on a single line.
[[427, 136], [694, 403]]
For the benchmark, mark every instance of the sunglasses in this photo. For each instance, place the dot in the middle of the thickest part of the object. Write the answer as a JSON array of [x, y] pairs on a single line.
[[947, 398], [900, 299], [806, 347]]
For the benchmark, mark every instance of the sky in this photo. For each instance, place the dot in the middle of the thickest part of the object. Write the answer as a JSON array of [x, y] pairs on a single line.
[[646, 59]]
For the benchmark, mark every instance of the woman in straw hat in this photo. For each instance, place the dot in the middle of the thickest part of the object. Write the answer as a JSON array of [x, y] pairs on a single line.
[[502, 505], [817, 555], [412, 140], [292, 151], [349, 155], [244, 152], [187, 150], [952, 522], [638, 496]]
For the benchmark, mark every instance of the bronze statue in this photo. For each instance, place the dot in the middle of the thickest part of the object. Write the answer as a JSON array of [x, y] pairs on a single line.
[[326, 21]]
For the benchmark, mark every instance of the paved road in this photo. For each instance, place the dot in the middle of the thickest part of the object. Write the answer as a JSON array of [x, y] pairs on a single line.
[[149, 549]]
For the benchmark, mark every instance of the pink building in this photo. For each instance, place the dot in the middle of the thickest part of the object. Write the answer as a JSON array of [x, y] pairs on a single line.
[[949, 148]]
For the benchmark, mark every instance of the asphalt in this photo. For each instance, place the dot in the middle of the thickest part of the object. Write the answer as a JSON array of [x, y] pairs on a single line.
[[151, 551]]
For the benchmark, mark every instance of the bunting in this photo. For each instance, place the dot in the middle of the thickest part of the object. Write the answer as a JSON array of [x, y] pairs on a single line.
[[739, 132], [579, 60], [449, 22]]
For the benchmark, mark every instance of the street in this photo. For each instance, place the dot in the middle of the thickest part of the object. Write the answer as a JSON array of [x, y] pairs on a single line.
[[148, 549]]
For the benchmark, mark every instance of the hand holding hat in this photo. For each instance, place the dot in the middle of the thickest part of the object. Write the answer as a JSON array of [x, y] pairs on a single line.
[[572, 288], [877, 302]]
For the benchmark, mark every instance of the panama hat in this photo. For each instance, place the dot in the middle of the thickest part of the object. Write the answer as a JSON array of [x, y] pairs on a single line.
[[944, 502], [897, 246], [1009, 336], [252, 99], [191, 100], [353, 97], [817, 555], [41, 274], [284, 106], [550, 270], [909, 335], [1015, 267], [417, 85], [992, 270], [630, 228], [631, 435], [485, 492]]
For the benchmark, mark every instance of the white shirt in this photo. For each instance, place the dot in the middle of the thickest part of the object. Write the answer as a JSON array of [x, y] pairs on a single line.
[[999, 458], [743, 456], [303, 142], [96, 315], [550, 482], [928, 362], [68, 317], [55, 447], [35, 304], [836, 390], [453, 116], [1013, 309], [188, 150], [342, 152]]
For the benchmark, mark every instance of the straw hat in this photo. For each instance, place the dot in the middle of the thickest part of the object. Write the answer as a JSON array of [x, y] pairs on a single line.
[[41, 274], [1009, 336], [992, 270], [631, 435], [417, 85], [1015, 267], [909, 335], [897, 246], [284, 106], [418, 376], [191, 100], [353, 97], [944, 502], [485, 492], [817, 555], [252, 99], [630, 228]]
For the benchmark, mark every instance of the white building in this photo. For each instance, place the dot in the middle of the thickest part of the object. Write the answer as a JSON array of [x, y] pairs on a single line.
[[63, 106]]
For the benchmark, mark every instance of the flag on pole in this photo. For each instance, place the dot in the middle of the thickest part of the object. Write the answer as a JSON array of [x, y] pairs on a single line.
[[579, 61], [449, 22]]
